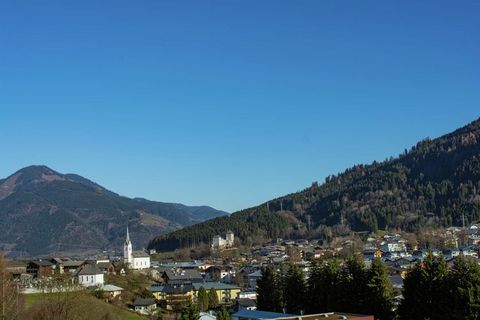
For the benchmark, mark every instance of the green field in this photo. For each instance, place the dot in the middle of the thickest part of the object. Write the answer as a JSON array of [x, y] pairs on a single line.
[[88, 300]]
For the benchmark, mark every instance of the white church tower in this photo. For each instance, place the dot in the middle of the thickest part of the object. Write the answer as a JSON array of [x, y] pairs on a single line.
[[127, 250]]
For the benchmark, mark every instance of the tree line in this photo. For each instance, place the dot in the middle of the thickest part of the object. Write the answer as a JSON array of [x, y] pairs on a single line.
[[431, 289], [435, 184], [350, 287]]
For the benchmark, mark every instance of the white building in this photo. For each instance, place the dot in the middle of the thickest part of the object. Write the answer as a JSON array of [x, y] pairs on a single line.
[[90, 276], [394, 247], [135, 260], [220, 243]]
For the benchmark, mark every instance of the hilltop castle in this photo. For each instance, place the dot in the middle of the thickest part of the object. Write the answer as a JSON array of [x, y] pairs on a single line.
[[219, 243]]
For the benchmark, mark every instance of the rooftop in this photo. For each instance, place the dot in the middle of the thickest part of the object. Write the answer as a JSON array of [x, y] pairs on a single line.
[[255, 314], [214, 285], [110, 288], [89, 269], [143, 302]]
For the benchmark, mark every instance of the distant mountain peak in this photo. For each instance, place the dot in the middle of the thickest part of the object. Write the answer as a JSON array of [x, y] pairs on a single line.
[[45, 211], [27, 176]]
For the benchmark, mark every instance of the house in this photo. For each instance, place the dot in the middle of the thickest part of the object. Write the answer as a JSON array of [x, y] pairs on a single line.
[[226, 293], [247, 295], [71, 266], [371, 253], [176, 275], [154, 274], [144, 305], [329, 315], [90, 276], [396, 281], [246, 304], [264, 315], [420, 254], [173, 296], [16, 268], [137, 260], [398, 247], [119, 267], [451, 253], [253, 277], [207, 316], [223, 273], [40, 268], [111, 291], [467, 251], [258, 315], [106, 267], [195, 264]]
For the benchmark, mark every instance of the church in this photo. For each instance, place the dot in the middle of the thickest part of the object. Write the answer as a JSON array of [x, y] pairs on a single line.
[[136, 260]]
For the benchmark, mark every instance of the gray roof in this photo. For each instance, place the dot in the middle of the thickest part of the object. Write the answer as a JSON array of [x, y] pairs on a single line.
[[254, 314], [110, 288], [104, 265], [255, 274], [140, 254], [244, 302], [88, 270], [143, 302], [42, 263], [189, 265], [214, 285], [187, 274], [73, 263], [396, 280], [172, 289]]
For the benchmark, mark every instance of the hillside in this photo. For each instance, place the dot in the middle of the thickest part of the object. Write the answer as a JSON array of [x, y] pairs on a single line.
[[43, 211], [436, 183]]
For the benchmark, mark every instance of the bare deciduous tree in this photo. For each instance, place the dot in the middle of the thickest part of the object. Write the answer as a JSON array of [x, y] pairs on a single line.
[[11, 302]]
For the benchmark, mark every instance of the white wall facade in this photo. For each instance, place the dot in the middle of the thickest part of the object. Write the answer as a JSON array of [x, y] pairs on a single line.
[[140, 263], [91, 280]]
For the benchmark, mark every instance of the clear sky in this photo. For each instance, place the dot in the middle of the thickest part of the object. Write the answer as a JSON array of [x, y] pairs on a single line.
[[229, 103]]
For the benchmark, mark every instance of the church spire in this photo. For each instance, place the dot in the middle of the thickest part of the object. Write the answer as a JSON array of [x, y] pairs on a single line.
[[127, 240]]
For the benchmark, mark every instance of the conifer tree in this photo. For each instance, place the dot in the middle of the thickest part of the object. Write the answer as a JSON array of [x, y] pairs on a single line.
[[354, 283], [294, 290], [268, 290], [379, 297], [425, 293], [223, 315], [212, 299], [464, 284], [324, 286], [190, 312], [202, 299]]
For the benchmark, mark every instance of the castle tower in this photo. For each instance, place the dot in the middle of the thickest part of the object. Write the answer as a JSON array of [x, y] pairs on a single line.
[[229, 238], [127, 250]]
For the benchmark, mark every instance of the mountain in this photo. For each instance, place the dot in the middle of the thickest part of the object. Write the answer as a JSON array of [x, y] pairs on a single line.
[[435, 183], [43, 211]]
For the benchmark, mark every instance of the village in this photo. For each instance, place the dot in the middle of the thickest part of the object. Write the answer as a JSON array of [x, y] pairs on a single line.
[[165, 287]]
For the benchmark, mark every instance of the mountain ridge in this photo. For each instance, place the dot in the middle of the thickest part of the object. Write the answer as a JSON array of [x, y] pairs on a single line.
[[435, 183], [44, 211]]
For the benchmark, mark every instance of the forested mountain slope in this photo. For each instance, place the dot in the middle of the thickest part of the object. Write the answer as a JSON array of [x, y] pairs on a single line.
[[43, 212], [436, 183]]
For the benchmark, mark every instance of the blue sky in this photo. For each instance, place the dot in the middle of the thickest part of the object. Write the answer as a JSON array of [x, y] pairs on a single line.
[[229, 103]]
